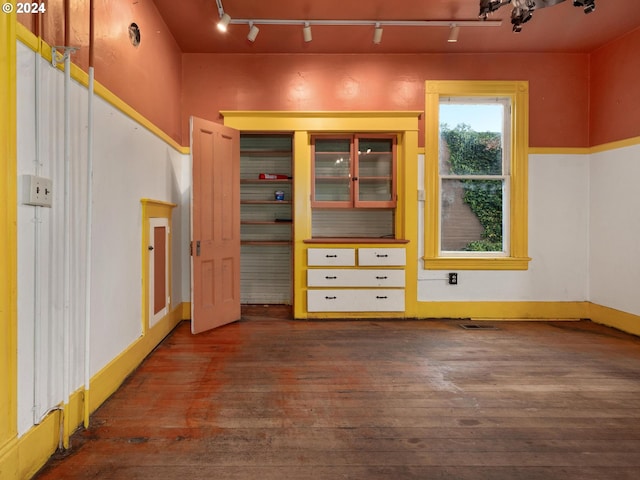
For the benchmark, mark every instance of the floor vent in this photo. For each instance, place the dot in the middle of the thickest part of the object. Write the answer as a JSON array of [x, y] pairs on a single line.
[[477, 326]]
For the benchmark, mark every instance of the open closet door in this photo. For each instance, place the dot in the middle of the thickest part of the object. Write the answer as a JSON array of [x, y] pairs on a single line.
[[215, 225]]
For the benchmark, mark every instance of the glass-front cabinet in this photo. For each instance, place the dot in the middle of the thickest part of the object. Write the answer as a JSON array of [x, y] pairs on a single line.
[[354, 171]]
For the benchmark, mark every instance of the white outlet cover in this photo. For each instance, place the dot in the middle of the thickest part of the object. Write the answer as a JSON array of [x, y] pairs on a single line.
[[38, 191]]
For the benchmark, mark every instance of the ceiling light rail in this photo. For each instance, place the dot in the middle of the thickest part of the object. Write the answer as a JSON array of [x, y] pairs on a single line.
[[371, 23], [453, 25]]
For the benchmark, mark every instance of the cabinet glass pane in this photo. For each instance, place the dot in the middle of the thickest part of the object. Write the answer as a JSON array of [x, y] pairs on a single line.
[[374, 190], [375, 169], [332, 164]]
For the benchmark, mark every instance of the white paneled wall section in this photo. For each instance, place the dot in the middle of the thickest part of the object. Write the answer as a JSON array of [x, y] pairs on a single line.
[[614, 229], [558, 242], [130, 163]]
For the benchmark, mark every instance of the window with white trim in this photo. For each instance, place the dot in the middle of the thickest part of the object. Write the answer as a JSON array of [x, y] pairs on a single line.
[[476, 175]]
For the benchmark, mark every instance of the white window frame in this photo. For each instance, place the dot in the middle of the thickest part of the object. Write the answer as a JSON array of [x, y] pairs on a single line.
[[505, 177]]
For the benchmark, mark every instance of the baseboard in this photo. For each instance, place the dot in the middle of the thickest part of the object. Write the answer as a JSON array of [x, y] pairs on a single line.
[[21, 458], [109, 379], [627, 322], [504, 310]]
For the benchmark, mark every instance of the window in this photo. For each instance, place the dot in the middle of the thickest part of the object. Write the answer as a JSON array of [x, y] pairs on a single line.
[[476, 175]]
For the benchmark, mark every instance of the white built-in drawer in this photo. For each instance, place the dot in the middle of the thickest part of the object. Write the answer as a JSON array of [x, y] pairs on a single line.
[[381, 256], [323, 277], [355, 300], [325, 257]]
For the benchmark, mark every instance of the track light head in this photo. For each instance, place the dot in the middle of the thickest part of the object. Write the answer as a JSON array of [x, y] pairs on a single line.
[[377, 34], [306, 32], [253, 32], [224, 22], [453, 33]]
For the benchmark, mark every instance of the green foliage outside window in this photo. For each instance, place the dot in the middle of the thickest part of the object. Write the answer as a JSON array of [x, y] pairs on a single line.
[[479, 153]]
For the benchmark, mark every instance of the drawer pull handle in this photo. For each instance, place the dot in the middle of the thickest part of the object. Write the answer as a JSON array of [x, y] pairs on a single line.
[[382, 255], [381, 278], [379, 297], [330, 298], [331, 256], [330, 278]]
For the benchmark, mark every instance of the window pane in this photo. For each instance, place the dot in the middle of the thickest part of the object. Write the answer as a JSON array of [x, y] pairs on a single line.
[[471, 138], [472, 215], [332, 173]]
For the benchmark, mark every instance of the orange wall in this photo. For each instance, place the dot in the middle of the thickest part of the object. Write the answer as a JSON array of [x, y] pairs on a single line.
[[615, 90], [148, 77], [559, 86]]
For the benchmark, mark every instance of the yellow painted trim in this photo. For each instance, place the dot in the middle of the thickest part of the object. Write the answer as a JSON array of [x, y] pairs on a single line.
[[518, 92], [629, 142], [478, 263], [559, 151], [504, 310], [627, 322], [79, 75], [153, 209], [8, 229], [352, 121], [302, 218], [186, 311], [303, 124]]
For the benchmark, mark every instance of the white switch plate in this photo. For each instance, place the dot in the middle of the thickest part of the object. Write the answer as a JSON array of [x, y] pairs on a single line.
[[37, 191]]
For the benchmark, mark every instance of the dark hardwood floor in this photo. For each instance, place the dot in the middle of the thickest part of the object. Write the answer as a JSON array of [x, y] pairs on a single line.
[[270, 398]]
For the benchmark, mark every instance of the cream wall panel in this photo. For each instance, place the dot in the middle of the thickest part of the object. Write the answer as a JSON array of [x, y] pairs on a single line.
[[558, 242], [614, 233]]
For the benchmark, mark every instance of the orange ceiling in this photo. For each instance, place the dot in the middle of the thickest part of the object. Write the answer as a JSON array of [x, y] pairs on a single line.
[[561, 28]]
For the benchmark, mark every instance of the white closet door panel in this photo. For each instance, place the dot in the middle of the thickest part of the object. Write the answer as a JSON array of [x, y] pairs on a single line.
[[343, 257], [323, 277], [381, 256], [355, 300]]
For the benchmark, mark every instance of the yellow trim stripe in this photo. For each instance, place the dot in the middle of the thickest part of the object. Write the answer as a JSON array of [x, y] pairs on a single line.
[[8, 235], [79, 75]]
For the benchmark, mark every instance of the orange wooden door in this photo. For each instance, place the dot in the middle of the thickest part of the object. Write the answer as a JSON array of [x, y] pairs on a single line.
[[215, 225]]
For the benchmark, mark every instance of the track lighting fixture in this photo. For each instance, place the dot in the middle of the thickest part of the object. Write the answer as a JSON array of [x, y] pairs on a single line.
[[453, 33], [454, 26], [306, 32], [224, 22], [377, 34], [253, 32]]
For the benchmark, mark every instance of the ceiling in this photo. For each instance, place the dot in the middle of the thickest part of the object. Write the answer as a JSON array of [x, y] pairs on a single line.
[[560, 28]]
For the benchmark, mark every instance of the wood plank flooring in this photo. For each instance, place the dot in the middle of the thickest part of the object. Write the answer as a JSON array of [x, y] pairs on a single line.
[[271, 399]]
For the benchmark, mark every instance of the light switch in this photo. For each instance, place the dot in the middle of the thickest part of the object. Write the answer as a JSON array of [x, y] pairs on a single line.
[[37, 191]]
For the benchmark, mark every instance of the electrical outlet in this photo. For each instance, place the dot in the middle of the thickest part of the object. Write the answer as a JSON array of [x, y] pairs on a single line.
[[37, 191], [453, 278]]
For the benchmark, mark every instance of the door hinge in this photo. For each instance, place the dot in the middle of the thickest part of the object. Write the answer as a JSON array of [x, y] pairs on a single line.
[[191, 249]]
